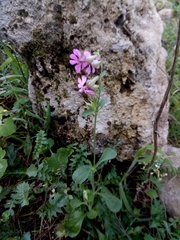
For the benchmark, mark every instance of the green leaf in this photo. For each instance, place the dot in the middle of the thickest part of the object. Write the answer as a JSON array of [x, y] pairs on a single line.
[[148, 237], [26, 236], [32, 171], [81, 174], [102, 102], [142, 150], [2, 153], [73, 224], [113, 203], [27, 145], [5, 63], [21, 195], [75, 203], [3, 167], [92, 214], [100, 235], [152, 193], [108, 154], [87, 112], [7, 128], [3, 162], [15, 76], [59, 160]]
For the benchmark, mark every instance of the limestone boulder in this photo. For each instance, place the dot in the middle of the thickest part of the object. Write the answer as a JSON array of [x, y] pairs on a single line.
[[127, 34]]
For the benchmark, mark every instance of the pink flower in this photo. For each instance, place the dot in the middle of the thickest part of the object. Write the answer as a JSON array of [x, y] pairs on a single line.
[[83, 88], [79, 60]]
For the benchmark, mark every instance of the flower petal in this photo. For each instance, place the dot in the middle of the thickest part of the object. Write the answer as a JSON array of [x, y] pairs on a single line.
[[77, 52], [78, 68], [88, 70], [84, 79], [89, 91], [72, 62], [87, 53], [73, 56]]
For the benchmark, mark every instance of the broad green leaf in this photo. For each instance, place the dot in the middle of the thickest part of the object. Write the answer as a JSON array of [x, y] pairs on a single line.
[[100, 235], [7, 128], [148, 237], [2, 153], [108, 154], [59, 159], [75, 203], [3, 167], [152, 193], [92, 214], [81, 174], [102, 102], [32, 171], [113, 203], [74, 223], [87, 112]]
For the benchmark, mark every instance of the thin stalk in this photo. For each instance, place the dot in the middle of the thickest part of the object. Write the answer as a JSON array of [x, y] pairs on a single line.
[[94, 137], [95, 116]]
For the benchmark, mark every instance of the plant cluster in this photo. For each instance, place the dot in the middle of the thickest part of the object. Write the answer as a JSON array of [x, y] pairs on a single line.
[[68, 192]]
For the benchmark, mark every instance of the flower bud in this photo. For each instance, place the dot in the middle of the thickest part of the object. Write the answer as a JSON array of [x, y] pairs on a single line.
[[91, 58], [91, 82], [96, 63]]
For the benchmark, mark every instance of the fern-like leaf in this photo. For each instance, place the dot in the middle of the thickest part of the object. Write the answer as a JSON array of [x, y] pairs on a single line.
[[21, 195], [53, 206], [78, 158], [42, 144]]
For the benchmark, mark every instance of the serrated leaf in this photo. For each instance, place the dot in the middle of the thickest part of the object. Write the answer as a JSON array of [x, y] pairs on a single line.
[[108, 154], [87, 112], [81, 174], [32, 171], [113, 203], [22, 193]]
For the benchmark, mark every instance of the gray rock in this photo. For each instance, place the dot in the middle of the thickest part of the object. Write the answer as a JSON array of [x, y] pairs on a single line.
[[128, 35], [170, 191]]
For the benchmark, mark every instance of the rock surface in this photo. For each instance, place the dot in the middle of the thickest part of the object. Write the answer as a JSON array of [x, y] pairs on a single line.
[[128, 35], [170, 191]]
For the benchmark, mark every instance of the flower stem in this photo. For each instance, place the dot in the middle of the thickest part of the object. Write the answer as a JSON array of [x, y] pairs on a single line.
[[95, 116]]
